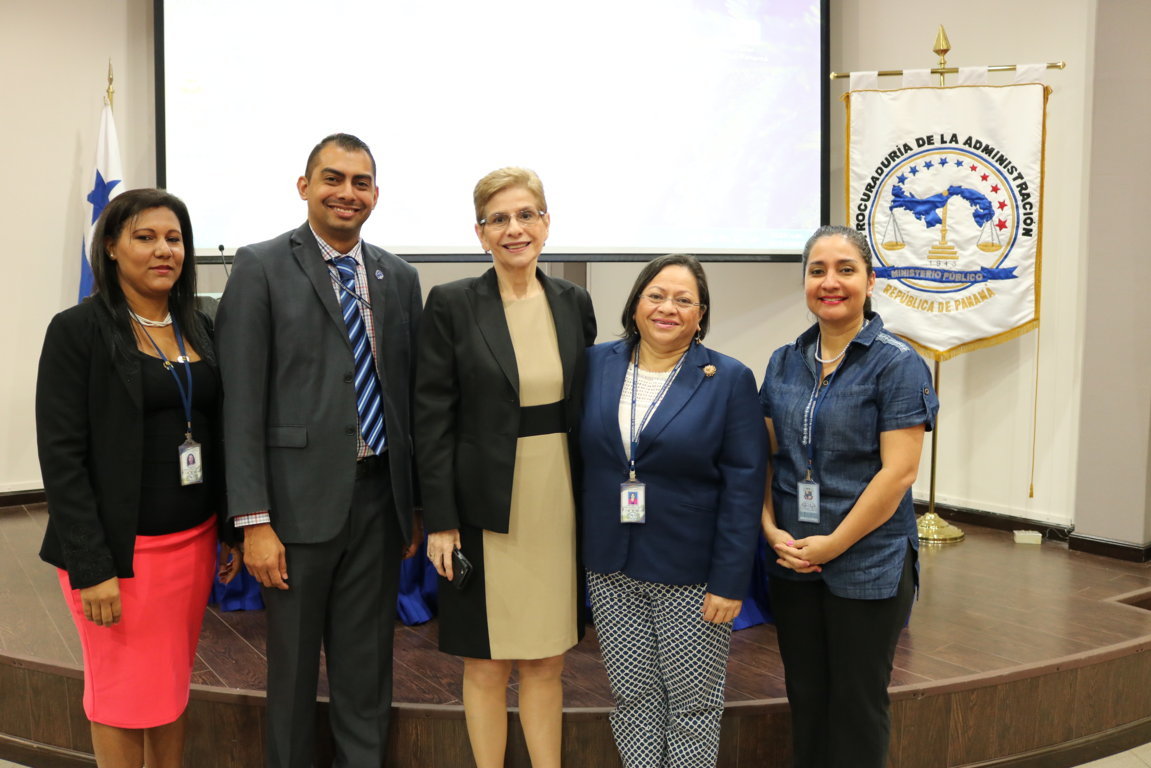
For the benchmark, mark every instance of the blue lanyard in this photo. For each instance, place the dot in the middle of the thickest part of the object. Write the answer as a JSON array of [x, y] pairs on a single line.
[[818, 394], [650, 409], [185, 394]]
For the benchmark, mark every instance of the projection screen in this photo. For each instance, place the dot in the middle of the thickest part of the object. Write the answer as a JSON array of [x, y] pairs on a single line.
[[656, 125]]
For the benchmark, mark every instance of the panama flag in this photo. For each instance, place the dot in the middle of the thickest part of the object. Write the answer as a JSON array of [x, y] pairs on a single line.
[[105, 183]]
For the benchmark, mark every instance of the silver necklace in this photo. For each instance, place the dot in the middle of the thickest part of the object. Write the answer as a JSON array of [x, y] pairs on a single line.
[[152, 323], [842, 352]]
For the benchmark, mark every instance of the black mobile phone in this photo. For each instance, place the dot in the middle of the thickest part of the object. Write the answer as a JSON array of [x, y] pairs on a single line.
[[461, 569]]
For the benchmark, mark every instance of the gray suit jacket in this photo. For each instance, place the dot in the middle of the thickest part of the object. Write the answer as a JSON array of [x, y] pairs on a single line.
[[289, 398]]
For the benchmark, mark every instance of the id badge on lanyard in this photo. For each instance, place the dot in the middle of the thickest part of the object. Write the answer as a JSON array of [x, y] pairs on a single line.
[[632, 492], [808, 492], [807, 489], [189, 454], [191, 462], [632, 502]]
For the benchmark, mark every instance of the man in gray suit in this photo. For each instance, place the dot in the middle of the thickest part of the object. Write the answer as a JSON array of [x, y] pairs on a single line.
[[316, 354]]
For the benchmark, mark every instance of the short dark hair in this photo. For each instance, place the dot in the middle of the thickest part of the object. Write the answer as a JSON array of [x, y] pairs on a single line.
[[648, 273], [344, 141], [119, 213], [852, 236]]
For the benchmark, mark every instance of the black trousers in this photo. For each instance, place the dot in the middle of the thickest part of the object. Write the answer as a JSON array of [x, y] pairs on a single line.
[[342, 594], [837, 657]]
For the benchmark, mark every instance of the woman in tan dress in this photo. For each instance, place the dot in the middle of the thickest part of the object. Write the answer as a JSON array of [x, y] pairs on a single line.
[[499, 387]]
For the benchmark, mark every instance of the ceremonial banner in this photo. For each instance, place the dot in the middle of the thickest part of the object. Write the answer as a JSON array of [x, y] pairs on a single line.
[[100, 187], [947, 185]]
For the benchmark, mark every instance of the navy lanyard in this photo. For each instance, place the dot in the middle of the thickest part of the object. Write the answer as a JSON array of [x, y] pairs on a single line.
[[651, 408], [185, 394], [818, 394]]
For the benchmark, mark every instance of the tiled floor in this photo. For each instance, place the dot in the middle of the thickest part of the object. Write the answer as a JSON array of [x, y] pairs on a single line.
[[1140, 757]]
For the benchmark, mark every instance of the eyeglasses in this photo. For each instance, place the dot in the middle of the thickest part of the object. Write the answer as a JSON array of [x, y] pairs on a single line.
[[679, 302], [527, 217]]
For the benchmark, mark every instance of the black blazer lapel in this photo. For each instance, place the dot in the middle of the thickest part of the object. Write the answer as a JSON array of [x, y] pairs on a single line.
[[568, 323], [311, 262], [678, 394], [489, 313], [127, 364]]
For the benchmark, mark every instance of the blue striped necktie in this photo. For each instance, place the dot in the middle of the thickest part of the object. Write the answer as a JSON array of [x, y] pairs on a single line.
[[369, 402]]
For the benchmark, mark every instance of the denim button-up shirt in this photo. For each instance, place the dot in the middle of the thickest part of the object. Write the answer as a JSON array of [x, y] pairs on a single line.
[[880, 385]]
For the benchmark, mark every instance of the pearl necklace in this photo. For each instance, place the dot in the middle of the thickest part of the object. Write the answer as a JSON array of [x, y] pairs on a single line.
[[152, 323], [842, 352]]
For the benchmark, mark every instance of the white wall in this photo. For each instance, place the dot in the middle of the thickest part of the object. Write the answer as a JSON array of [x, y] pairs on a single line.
[[1113, 495], [988, 396], [54, 57]]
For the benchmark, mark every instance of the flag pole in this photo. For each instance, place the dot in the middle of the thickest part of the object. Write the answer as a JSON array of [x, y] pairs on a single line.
[[105, 182], [111, 92], [933, 528], [942, 69]]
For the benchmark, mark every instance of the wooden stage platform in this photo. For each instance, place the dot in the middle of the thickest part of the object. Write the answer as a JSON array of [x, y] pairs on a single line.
[[1016, 655]]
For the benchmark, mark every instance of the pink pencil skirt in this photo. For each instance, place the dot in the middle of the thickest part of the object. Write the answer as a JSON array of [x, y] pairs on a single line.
[[137, 672]]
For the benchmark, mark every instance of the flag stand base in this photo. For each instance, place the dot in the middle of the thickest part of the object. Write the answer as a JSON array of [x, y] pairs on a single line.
[[935, 530]]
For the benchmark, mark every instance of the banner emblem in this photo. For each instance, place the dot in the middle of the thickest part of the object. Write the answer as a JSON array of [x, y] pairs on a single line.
[[983, 223]]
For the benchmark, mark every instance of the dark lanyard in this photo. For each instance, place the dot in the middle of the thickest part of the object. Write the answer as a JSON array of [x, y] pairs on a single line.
[[185, 394], [818, 394], [650, 408]]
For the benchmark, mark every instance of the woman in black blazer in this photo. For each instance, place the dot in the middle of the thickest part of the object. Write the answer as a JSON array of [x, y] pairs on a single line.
[[127, 405], [499, 382]]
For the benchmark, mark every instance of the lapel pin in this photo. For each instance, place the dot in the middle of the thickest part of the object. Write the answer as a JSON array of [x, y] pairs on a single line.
[[709, 371], [379, 274]]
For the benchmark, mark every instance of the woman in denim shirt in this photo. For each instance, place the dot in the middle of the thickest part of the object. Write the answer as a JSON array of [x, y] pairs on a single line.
[[846, 407]]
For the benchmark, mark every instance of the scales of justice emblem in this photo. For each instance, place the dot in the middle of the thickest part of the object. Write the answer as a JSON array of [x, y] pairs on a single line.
[[955, 215]]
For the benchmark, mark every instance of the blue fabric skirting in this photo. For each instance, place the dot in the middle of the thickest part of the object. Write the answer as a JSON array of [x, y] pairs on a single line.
[[417, 603]]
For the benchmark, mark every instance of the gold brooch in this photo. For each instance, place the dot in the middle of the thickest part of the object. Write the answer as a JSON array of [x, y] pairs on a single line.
[[709, 371]]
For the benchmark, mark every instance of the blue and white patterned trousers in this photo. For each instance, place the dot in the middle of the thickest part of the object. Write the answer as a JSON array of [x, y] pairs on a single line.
[[666, 666]]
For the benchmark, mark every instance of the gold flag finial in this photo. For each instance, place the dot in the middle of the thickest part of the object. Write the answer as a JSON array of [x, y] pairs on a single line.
[[942, 44], [941, 49], [110, 93]]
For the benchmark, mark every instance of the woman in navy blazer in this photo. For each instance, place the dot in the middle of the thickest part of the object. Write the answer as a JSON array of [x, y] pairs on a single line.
[[667, 580]]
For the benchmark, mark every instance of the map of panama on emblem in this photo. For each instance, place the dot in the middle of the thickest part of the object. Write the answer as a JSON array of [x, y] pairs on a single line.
[[952, 216]]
